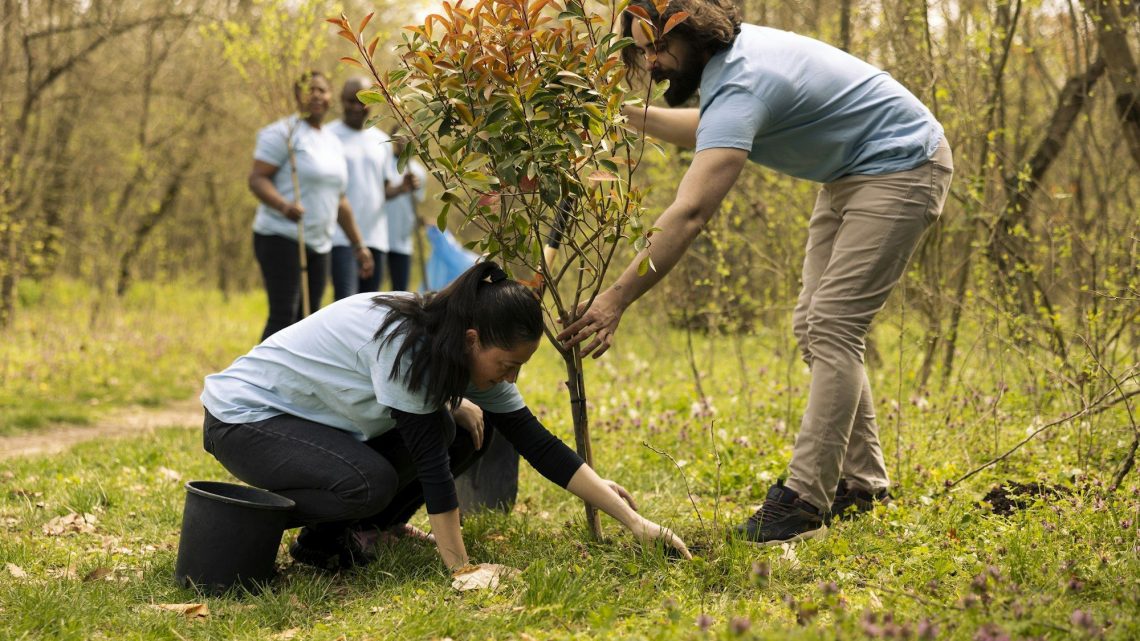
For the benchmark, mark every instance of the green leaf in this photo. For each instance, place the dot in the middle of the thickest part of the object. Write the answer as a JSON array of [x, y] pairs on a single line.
[[441, 219], [370, 97]]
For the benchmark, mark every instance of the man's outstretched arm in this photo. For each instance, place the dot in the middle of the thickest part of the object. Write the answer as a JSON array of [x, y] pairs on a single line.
[[675, 126], [702, 189]]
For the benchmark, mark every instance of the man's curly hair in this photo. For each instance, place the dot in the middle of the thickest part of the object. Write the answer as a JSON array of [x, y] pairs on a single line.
[[711, 27]]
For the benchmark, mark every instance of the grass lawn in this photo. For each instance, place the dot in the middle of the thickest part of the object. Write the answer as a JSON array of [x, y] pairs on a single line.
[[935, 564]]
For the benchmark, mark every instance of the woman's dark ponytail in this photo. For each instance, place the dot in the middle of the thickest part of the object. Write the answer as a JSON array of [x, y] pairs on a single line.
[[434, 328]]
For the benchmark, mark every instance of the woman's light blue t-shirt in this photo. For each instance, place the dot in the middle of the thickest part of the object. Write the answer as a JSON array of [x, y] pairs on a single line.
[[809, 110], [328, 369], [322, 174]]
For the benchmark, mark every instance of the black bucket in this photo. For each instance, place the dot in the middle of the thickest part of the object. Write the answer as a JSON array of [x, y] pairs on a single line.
[[230, 536], [492, 483]]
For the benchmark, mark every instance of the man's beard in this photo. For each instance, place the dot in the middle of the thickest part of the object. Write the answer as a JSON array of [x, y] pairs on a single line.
[[683, 82]]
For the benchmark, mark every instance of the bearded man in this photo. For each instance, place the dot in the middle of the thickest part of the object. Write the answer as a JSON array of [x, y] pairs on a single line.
[[809, 110]]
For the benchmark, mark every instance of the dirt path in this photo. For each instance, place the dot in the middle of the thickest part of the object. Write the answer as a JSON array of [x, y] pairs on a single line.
[[116, 424]]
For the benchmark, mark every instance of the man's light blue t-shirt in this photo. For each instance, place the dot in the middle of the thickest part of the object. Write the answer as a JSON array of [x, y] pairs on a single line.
[[368, 153], [809, 110], [328, 369], [321, 172]]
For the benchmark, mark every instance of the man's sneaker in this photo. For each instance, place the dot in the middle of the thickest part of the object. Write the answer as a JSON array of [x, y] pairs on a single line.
[[850, 502], [784, 518]]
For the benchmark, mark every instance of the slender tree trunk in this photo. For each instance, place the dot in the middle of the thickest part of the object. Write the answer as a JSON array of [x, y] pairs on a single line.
[[576, 384], [165, 209], [1008, 251], [1112, 34], [845, 25]]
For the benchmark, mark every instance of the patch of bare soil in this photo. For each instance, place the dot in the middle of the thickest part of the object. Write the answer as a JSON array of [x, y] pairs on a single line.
[[129, 421], [1004, 499]]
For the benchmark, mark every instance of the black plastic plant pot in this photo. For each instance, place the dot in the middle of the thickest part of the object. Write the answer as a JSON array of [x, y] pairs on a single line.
[[492, 483], [230, 536]]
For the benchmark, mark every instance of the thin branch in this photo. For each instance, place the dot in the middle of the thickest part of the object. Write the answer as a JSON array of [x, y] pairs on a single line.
[[1095, 408], [683, 478]]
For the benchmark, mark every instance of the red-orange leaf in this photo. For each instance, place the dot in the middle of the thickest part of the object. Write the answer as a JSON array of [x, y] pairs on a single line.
[[365, 21], [489, 200], [601, 175], [640, 13], [647, 30], [661, 6], [674, 20], [352, 61]]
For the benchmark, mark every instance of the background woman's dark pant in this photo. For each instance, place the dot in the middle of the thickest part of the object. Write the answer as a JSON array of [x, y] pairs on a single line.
[[335, 479], [346, 272], [281, 273]]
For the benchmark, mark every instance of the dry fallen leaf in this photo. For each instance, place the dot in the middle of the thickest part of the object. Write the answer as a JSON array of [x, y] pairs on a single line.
[[16, 571], [69, 573], [97, 574], [169, 474], [482, 576], [70, 524], [188, 610], [285, 635]]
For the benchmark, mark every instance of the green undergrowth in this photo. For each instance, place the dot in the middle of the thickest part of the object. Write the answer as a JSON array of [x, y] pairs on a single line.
[[74, 352], [936, 563]]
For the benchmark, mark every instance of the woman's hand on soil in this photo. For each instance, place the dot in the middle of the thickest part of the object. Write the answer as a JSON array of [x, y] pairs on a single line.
[[623, 493], [469, 416], [649, 533]]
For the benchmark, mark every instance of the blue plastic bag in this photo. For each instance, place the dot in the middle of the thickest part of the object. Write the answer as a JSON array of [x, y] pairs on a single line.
[[448, 258]]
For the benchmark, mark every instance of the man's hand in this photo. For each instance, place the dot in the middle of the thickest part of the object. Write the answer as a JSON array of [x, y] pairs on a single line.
[[600, 321], [469, 416], [364, 258]]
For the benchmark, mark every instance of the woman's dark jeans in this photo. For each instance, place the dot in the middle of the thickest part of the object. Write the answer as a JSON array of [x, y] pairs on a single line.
[[346, 272], [281, 272], [335, 479]]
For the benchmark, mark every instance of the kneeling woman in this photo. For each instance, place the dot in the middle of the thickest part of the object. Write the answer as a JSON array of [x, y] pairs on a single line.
[[348, 413]]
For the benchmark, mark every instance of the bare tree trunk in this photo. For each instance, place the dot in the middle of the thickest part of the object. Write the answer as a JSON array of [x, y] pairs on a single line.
[[845, 25], [1007, 250], [1112, 34], [164, 210], [576, 385]]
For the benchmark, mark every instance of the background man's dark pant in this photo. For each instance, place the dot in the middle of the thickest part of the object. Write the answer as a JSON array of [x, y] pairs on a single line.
[[346, 272]]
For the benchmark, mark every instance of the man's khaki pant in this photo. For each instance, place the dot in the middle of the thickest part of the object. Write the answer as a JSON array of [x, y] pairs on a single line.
[[862, 233]]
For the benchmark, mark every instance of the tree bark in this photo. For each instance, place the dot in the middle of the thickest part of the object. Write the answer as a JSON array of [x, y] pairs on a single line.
[[1008, 251], [1112, 35], [576, 385], [165, 208]]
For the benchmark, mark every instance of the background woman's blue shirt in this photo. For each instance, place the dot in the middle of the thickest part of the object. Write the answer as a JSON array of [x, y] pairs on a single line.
[[322, 174]]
